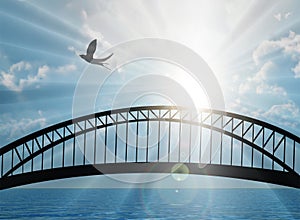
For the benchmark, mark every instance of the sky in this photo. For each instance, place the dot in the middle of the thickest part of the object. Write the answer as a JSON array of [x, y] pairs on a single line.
[[252, 47]]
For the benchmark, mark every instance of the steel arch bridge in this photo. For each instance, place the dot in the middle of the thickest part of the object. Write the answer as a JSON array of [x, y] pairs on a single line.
[[154, 139]]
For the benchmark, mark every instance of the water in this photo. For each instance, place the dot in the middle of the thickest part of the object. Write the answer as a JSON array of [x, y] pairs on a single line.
[[150, 204]]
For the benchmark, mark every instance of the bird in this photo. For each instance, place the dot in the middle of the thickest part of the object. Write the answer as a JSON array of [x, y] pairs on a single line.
[[89, 56]]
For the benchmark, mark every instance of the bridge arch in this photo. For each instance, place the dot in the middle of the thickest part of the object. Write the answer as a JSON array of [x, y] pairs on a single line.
[[92, 144]]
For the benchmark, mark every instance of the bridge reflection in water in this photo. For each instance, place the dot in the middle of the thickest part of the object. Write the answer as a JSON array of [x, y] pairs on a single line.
[[156, 139]]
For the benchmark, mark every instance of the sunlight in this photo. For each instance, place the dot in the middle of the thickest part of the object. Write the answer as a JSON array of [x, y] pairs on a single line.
[[151, 82], [193, 88], [225, 35], [38, 27]]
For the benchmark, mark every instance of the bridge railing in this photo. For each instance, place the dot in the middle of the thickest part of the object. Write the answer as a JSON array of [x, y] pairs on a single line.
[[154, 133]]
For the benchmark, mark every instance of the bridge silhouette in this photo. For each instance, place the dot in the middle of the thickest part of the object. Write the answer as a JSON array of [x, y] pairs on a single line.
[[154, 139]]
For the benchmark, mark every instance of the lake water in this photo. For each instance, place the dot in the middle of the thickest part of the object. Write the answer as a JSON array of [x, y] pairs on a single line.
[[150, 204]]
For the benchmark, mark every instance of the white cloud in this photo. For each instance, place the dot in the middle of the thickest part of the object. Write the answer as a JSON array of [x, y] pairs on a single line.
[[15, 127], [71, 48], [266, 47], [286, 114], [296, 70], [245, 87], [91, 23], [94, 34], [66, 69], [20, 66], [259, 83], [239, 107], [42, 71], [40, 113], [288, 45], [91, 34], [264, 88], [281, 16], [288, 14], [7, 80], [19, 75], [277, 16], [74, 50], [262, 74], [84, 14], [286, 110]]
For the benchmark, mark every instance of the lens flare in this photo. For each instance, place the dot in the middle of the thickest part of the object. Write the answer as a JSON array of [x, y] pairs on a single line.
[[180, 172]]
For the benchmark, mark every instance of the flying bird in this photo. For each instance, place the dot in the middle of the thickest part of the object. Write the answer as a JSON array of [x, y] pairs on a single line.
[[89, 57]]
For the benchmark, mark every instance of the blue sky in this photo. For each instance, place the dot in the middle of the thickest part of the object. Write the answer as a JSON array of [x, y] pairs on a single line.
[[253, 47]]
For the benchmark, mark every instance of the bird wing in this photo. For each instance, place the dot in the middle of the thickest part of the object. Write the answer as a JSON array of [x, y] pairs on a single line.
[[101, 64], [102, 59], [91, 48]]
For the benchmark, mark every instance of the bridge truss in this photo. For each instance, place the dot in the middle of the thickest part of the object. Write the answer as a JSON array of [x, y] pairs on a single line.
[[154, 139]]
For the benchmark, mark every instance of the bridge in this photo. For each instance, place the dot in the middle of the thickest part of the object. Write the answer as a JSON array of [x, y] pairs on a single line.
[[154, 139]]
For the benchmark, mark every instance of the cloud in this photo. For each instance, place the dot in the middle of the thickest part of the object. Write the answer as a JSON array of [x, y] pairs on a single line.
[[289, 45], [91, 33], [262, 74], [42, 71], [12, 128], [277, 16], [286, 110], [281, 16], [19, 66], [264, 88], [65, 69], [259, 83], [83, 14], [288, 14], [74, 50], [286, 113], [90, 23], [238, 106], [41, 74], [296, 70], [19, 75]]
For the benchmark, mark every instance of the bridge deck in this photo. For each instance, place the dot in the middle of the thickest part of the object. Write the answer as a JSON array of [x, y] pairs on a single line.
[[131, 140], [268, 176]]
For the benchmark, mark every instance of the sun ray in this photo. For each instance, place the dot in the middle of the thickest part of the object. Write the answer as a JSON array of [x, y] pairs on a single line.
[[37, 51], [40, 28], [243, 29], [55, 17]]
